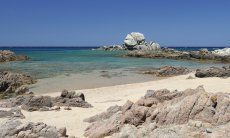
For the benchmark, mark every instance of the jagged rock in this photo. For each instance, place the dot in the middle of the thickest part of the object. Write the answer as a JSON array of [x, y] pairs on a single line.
[[213, 72], [7, 55], [11, 84], [166, 110], [167, 71], [46, 103], [15, 128], [71, 99]]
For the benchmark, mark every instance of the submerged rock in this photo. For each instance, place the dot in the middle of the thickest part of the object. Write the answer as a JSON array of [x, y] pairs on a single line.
[[7, 55], [213, 72], [167, 111], [167, 71]]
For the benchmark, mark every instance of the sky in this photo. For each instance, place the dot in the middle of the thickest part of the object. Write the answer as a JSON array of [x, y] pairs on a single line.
[[106, 22]]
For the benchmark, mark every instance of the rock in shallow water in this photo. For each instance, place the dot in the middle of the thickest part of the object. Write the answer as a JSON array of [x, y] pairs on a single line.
[[167, 71], [7, 55]]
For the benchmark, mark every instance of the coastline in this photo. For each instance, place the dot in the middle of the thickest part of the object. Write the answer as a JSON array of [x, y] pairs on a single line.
[[104, 97]]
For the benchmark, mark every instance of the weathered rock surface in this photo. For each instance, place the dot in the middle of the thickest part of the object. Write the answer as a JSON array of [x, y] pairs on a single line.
[[11, 84], [46, 103], [12, 113], [7, 55], [164, 109], [17, 129], [71, 99], [167, 53], [213, 72], [167, 71]]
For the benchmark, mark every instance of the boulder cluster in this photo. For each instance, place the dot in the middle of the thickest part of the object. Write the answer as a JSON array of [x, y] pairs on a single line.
[[31, 102], [136, 41], [133, 41], [7, 55], [213, 72], [161, 113], [166, 71], [13, 84]]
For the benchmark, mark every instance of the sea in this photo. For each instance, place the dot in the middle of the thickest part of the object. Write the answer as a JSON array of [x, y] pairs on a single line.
[[46, 62]]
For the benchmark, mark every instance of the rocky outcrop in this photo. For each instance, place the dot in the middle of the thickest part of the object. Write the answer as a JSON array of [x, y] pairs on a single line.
[[46, 103], [222, 52], [7, 55], [133, 41], [167, 53], [17, 129], [213, 72], [165, 109], [11, 84], [166, 71]]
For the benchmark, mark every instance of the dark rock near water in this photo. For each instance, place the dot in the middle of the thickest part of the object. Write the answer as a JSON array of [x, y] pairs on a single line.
[[7, 55], [165, 53], [213, 72], [11, 84], [17, 129], [165, 110], [167, 71]]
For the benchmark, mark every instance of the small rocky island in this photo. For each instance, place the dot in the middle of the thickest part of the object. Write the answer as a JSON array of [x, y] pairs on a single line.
[[133, 41], [137, 46], [7, 55]]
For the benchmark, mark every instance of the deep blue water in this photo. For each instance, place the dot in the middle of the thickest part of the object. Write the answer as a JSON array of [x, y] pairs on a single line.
[[52, 61]]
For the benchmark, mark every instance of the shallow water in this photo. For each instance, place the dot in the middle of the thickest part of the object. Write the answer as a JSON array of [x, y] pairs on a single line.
[[82, 68], [48, 62]]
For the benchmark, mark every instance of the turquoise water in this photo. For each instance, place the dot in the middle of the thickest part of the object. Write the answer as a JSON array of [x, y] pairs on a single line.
[[49, 62]]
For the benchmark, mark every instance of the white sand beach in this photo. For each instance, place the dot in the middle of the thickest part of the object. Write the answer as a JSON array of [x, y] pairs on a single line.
[[104, 97]]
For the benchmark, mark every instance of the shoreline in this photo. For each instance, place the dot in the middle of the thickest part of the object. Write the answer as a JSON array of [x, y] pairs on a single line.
[[104, 97]]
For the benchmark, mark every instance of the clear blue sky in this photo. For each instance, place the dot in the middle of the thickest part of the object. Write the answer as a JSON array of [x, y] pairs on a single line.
[[102, 22]]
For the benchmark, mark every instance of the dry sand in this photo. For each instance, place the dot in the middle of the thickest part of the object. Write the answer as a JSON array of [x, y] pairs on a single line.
[[104, 97]]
